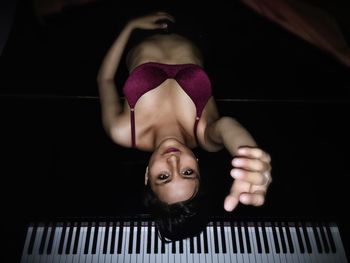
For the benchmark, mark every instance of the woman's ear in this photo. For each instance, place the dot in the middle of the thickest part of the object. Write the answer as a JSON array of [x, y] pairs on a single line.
[[146, 176]]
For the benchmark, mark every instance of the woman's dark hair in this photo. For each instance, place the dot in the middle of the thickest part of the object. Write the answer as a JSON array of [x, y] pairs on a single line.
[[179, 220]]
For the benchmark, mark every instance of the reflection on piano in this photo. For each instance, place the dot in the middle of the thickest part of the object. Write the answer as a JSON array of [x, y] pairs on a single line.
[[221, 241]]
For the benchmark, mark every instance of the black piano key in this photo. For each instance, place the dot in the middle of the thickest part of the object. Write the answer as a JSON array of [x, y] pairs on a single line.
[[205, 241], [191, 245], [51, 238], [257, 237], [317, 237], [266, 242], [131, 238], [289, 239], [149, 237], [233, 238], [300, 241], [216, 242], [120, 238], [114, 230], [283, 240], [223, 239], [324, 238], [43, 240], [138, 238], [155, 240], [94, 241], [199, 247], [181, 243], [105, 241], [247, 239], [330, 238], [76, 239], [275, 238], [173, 247], [69, 241], [87, 240], [240, 238], [307, 239], [63, 236], [32, 239]]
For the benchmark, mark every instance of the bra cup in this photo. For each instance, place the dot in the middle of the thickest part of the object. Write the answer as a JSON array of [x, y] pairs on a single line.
[[142, 80], [195, 82]]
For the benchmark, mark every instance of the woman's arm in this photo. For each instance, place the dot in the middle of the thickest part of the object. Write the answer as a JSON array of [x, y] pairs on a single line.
[[109, 98], [251, 165]]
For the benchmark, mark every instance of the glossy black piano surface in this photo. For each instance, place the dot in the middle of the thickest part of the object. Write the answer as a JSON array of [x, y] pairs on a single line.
[[59, 163]]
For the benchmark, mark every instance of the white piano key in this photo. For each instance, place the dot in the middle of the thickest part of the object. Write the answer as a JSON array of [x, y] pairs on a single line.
[[24, 258], [240, 257], [56, 257], [229, 248], [265, 257], [159, 256], [214, 256], [70, 256], [115, 257], [75, 257], [133, 256], [209, 255], [195, 254], [289, 256], [35, 257], [108, 256], [43, 257], [282, 254], [82, 256], [143, 245], [316, 256], [275, 255], [221, 256], [126, 244], [51, 257], [325, 256], [98, 252], [252, 256], [152, 256], [63, 258], [201, 240], [146, 256], [167, 254], [302, 257], [339, 245], [254, 245], [246, 256], [89, 255]]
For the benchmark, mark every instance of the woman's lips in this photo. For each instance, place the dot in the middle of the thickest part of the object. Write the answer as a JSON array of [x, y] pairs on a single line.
[[171, 149]]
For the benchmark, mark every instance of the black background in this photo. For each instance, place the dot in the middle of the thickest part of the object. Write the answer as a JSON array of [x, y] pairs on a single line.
[[58, 162]]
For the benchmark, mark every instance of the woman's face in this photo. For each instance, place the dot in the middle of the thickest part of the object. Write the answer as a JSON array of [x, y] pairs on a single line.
[[173, 172]]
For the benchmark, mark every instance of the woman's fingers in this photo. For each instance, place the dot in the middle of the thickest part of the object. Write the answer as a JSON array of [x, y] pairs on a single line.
[[255, 178], [256, 199], [254, 153], [254, 165]]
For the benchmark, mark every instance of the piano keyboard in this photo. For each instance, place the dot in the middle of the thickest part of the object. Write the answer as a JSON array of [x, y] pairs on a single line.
[[137, 241]]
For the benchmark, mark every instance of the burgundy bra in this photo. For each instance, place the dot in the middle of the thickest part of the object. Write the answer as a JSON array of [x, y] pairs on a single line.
[[145, 77]]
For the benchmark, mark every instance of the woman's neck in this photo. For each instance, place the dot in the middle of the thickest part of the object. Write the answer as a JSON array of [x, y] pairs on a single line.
[[164, 133]]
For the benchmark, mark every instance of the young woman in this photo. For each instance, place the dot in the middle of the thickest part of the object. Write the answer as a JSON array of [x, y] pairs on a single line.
[[169, 111]]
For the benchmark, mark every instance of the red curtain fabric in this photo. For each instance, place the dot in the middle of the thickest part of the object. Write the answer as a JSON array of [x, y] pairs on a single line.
[[309, 22]]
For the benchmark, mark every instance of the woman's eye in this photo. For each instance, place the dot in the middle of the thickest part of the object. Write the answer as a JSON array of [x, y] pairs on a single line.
[[163, 176], [188, 172]]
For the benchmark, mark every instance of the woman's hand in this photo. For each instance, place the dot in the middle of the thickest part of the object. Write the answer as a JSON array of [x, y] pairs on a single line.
[[151, 21], [252, 174]]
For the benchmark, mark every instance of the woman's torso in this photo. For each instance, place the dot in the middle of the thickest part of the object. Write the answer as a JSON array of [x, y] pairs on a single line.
[[166, 105]]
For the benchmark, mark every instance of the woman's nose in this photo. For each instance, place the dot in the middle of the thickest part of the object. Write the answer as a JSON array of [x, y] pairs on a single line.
[[172, 159]]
